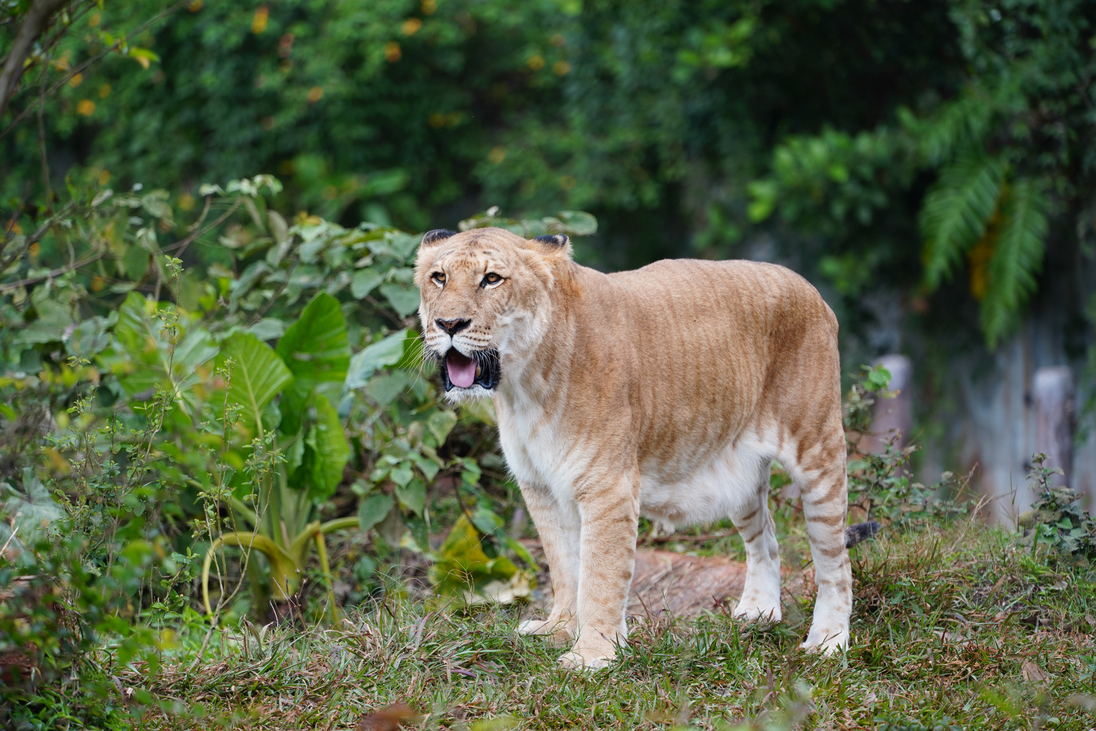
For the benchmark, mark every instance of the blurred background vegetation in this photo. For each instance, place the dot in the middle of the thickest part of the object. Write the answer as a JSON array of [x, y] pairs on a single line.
[[207, 332], [878, 145]]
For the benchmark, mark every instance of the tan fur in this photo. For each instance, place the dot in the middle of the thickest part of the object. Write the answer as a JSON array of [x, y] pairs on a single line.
[[665, 391]]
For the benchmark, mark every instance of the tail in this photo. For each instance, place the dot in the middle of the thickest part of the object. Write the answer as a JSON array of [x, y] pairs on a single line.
[[861, 532]]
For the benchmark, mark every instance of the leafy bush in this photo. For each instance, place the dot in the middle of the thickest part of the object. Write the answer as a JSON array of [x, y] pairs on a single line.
[[880, 483], [276, 397], [1057, 519]]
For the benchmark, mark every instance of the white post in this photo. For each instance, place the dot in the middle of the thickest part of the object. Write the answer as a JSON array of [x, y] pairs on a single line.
[[1053, 392], [892, 414]]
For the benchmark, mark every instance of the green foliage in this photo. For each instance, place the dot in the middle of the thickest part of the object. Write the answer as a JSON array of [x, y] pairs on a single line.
[[257, 376], [1017, 260], [995, 145], [871, 382], [1057, 519], [683, 128], [85, 549], [880, 483], [957, 213], [184, 446], [464, 569]]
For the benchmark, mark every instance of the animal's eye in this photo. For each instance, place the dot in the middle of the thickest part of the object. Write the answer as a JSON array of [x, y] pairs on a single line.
[[438, 278], [491, 278]]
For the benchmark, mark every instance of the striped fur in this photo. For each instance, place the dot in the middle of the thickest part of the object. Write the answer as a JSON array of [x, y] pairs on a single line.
[[665, 391]]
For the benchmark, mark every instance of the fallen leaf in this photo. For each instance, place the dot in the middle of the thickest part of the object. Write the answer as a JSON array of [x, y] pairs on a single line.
[[389, 718], [1032, 672]]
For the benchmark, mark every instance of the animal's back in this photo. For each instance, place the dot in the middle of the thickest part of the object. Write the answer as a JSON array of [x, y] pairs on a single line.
[[720, 349]]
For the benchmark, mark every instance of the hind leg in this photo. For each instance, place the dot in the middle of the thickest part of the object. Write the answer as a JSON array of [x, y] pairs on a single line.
[[761, 595], [825, 506]]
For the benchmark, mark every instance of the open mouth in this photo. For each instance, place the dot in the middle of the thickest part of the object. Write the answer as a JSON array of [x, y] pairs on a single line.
[[460, 371]]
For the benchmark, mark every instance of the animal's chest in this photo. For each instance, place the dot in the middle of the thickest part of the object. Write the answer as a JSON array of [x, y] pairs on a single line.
[[538, 452]]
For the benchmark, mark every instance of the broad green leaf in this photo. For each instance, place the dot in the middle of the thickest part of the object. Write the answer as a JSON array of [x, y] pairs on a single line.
[[291, 407], [412, 496], [33, 508], [278, 227], [485, 520], [401, 474], [440, 423], [428, 467], [462, 563], [258, 375], [385, 388], [330, 450], [268, 328], [315, 348], [459, 555], [293, 451], [521, 551], [53, 319], [136, 261], [386, 352], [392, 528], [372, 510], [404, 299], [89, 338], [364, 282]]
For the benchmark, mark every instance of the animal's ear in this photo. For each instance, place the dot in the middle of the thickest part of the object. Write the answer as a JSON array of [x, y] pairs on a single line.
[[552, 245], [435, 237], [559, 240]]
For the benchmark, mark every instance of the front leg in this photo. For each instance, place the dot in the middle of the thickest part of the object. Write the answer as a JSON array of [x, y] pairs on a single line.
[[558, 528], [610, 523]]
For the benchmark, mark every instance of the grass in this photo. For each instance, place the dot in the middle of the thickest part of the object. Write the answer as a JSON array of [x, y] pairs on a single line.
[[955, 626]]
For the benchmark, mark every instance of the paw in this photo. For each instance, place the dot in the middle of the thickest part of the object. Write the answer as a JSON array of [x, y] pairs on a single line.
[[556, 630], [763, 611], [586, 659], [827, 641], [533, 627]]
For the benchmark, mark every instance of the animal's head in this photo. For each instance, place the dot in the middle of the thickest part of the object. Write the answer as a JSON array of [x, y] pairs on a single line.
[[486, 299]]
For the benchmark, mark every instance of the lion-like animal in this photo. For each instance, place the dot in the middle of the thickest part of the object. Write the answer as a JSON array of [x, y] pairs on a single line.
[[665, 391]]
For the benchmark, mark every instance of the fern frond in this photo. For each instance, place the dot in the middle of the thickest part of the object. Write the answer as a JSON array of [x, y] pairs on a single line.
[[956, 211], [961, 123], [1016, 261]]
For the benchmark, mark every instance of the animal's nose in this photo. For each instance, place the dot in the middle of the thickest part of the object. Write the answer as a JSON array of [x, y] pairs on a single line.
[[453, 326]]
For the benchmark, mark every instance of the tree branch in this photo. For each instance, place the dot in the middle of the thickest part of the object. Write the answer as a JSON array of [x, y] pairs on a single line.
[[35, 23], [78, 69]]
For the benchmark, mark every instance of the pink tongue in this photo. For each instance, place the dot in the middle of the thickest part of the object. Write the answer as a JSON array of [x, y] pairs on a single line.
[[462, 370]]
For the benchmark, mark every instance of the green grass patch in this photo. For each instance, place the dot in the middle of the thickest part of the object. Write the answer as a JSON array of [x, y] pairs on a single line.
[[955, 626]]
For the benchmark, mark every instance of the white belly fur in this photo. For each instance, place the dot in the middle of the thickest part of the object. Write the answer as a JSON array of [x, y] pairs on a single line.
[[718, 487], [713, 490]]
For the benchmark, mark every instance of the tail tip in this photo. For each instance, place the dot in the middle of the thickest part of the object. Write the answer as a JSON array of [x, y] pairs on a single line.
[[861, 532]]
